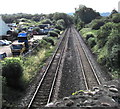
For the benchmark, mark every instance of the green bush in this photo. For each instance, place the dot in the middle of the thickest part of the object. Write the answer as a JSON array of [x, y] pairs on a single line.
[[49, 40], [57, 31], [116, 18], [114, 57], [89, 36], [12, 70], [53, 34], [103, 34], [44, 44], [59, 27], [37, 29], [80, 25], [91, 42], [97, 25]]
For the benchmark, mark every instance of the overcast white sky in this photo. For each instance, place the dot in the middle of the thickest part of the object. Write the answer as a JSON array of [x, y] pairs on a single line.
[[51, 6]]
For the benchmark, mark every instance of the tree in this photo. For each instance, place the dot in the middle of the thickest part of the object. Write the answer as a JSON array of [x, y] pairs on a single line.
[[67, 18], [46, 21], [113, 12], [116, 18], [85, 14]]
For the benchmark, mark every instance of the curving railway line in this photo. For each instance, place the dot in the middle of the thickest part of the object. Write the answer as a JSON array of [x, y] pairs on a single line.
[[82, 70]]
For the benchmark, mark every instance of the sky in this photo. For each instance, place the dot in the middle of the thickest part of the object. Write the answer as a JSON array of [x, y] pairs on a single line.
[[51, 6]]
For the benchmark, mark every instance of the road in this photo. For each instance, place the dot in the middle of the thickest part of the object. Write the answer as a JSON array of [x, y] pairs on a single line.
[[6, 49]]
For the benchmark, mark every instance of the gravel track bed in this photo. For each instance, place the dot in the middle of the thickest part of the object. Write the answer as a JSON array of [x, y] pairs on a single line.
[[70, 77], [71, 80], [24, 101], [101, 71]]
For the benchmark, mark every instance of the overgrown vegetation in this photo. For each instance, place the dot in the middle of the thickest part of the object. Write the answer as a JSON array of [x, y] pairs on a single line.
[[18, 72], [12, 70], [84, 15], [103, 36]]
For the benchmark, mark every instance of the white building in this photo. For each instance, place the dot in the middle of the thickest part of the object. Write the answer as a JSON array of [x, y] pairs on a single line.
[[3, 27]]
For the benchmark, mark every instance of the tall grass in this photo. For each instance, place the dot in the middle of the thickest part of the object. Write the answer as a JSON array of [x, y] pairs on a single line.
[[32, 64]]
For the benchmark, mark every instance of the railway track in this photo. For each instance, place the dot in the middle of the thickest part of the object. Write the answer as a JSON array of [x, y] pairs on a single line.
[[44, 90], [90, 76]]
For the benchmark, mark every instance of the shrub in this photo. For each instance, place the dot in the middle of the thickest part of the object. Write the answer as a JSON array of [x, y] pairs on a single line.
[[97, 25], [12, 70], [60, 27], [53, 34], [116, 18], [80, 25], [37, 29], [49, 40], [91, 42], [114, 57], [57, 31], [44, 44], [89, 36]]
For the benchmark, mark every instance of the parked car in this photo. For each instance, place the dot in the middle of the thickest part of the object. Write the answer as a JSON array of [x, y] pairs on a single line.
[[5, 42], [17, 48], [2, 55], [2, 43]]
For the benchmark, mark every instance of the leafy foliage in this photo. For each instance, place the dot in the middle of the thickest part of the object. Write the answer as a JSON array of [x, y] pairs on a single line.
[[85, 14], [68, 20], [91, 42], [105, 41], [46, 21], [57, 31], [49, 40], [12, 70], [116, 18], [53, 34]]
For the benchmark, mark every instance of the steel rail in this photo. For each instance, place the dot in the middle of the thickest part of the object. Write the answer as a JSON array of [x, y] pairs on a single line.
[[90, 63], [83, 71], [56, 73], [41, 81]]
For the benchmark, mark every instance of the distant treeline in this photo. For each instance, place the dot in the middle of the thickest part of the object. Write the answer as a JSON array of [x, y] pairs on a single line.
[[13, 18]]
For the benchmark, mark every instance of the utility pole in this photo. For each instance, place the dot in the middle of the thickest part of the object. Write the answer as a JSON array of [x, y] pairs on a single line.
[[119, 6]]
